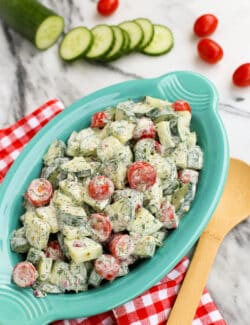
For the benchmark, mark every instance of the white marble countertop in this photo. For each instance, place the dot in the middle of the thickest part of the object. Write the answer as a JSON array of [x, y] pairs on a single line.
[[29, 77]]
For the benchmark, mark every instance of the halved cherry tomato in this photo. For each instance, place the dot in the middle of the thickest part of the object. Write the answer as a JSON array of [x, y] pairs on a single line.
[[99, 120], [141, 176], [54, 251], [24, 274], [168, 216], [241, 76], [39, 192], [188, 176], [100, 188], [144, 129], [205, 25], [181, 105], [107, 7], [107, 266], [121, 246], [209, 50], [101, 226]]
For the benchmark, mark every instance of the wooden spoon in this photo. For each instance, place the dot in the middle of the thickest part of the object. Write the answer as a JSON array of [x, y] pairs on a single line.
[[233, 208]]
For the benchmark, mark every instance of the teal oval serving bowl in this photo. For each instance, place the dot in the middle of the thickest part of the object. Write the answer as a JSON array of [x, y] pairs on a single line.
[[19, 306]]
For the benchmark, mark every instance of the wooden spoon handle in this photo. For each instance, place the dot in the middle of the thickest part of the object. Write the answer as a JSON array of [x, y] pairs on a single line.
[[195, 280]]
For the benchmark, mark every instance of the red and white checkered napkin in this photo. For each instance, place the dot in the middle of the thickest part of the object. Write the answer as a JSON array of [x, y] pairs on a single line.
[[154, 305], [15, 137]]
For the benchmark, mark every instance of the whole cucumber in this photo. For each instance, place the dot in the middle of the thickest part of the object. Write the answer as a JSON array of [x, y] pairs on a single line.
[[33, 21]]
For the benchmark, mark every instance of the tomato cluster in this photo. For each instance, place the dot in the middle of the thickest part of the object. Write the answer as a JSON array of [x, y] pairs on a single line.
[[208, 50], [211, 52]]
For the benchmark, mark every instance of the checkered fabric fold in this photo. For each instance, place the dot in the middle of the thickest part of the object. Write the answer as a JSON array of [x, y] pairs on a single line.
[[14, 138], [154, 305]]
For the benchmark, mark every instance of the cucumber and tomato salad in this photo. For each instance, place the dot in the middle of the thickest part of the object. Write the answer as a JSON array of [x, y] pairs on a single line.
[[143, 166], [106, 43]]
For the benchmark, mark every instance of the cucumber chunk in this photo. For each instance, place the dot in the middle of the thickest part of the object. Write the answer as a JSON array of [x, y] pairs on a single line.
[[103, 42], [135, 33], [18, 242], [81, 250], [117, 49], [34, 255], [161, 43], [44, 268], [148, 31], [94, 279], [56, 150], [75, 43]]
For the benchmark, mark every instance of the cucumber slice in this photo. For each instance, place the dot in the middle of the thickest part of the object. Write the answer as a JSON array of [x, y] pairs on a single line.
[[161, 43], [126, 44], [135, 33], [103, 42], [33, 21], [148, 30], [75, 43], [117, 49]]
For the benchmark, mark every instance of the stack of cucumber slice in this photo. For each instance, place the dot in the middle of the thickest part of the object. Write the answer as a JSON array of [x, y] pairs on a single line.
[[106, 43]]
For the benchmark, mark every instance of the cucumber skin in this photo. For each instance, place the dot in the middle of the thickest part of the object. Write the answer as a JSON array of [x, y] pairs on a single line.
[[158, 54], [24, 16], [127, 42], [117, 55]]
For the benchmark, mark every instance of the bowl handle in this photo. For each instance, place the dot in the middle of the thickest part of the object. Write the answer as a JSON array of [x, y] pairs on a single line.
[[19, 306], [189, 86]]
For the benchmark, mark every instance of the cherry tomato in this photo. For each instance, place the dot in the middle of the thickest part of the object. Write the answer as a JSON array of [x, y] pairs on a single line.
[[101, 226], [99, 120], [144, 129], [54, 251], [107, 7], [141, 176], [181, 105], [168, 216], [205, 25], [188, 176], [121, 246], [100, 188], [209, 50], [241, 76], [39, 192], [107, 266], [24, 274]]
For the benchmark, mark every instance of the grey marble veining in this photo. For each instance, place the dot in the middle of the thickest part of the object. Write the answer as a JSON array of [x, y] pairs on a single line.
[[29, 77]]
